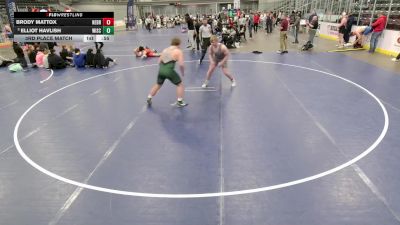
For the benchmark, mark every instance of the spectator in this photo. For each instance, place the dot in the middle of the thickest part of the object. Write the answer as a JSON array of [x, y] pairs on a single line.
[[292, 17], [51, 45], [97, 45], [197, 27], [349, 25], [313, 13], [55, 61], [342, 30], [43, 46], [126, 22], [296, 26], [7, 32], [67, 55], [269, 22], [191, 32], [378, 27], [251, 25], [101, 61], [90, 58], [283, 35], [20, 55], [256, 20], [79, 58], [5, 62], [32, 55], [313, 25], [39, 58], [46, 59], [242, 26], [148, 23]]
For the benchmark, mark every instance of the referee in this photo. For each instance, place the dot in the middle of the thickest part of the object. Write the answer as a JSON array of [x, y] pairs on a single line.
[[205, 33]]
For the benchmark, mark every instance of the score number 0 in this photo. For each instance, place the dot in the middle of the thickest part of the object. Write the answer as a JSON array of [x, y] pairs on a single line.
[[108, 21]]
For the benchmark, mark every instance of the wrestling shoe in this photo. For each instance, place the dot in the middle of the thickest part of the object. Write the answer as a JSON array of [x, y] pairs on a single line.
[[180, 104], [148, 101]]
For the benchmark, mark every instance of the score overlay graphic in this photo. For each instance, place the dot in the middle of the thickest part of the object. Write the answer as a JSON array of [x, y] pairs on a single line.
[[64, 26]]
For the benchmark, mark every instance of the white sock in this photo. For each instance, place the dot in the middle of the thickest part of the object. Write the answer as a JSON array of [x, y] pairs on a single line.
[[149, 96], [180, 99]]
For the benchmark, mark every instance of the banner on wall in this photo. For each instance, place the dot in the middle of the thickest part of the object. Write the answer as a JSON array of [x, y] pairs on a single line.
[[333, 30], [11, 7], [236, 4], [129, 13]]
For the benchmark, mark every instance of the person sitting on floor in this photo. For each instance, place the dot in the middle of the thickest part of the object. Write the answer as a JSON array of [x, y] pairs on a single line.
[[101, 61], [79, 58], [32, 55], [5, 62], [67, 55], [39, 58], [145, 52], [20, 55], [89, 58], [227, 38], [46, 64], [55, 61]]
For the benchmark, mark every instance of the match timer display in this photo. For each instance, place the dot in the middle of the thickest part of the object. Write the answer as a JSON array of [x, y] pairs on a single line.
[[64, 26]]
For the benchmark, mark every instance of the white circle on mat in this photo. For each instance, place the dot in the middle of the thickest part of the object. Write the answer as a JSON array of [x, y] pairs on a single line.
[[213, 194]]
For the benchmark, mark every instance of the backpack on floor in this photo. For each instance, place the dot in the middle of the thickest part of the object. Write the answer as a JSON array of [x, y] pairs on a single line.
[[307, 46], [15, 67]]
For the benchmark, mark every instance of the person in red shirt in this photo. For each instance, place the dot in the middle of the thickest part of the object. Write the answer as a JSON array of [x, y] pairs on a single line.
[[283, 35], [256, 21], [378, 27]]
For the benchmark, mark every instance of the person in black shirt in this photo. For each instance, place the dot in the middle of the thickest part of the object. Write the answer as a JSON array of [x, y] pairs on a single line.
[[55, 61], [51, 45], [101, 61], [268, 22], [20, 55], [191, 31], [313, 13], [197, 27], [99, 43], [90, 58], [350, 22], [313, 25], [66, 55], [296, 26]]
